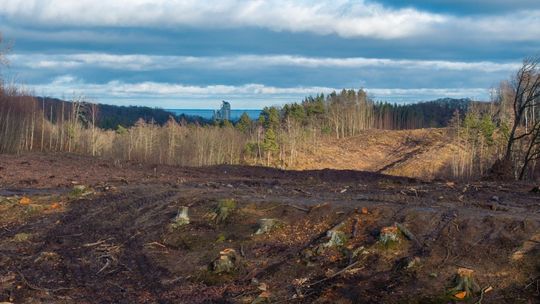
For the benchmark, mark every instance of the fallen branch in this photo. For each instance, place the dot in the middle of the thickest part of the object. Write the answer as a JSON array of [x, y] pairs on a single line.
[[446, 257], [355, 227], [96, 243], [175, 280], [122, 289], [297, 207], [408, 233], [246, 293], [242, 253], [70, 235], [156, 244], [302, 191], [335, 274], [287, 300], [34, 287], [484, 291], [534, 280], [107, 264], [287, 205]]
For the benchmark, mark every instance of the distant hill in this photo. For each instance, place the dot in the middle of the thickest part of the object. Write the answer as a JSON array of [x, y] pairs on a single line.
[[448, 100], [426, 114], [111, 116], [436, 113]]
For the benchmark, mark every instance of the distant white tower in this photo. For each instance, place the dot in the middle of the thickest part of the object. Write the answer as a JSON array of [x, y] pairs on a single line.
[[224, 113]]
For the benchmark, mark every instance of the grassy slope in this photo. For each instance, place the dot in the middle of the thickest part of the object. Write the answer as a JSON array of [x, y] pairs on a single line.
[[422, 153]]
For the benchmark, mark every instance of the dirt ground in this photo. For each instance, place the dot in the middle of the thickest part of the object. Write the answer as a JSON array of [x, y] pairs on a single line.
[[75, 229]]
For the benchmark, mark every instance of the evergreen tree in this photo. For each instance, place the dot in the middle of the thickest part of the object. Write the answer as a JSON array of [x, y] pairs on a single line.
[[270, 118], [295, 111], [270, 144], [487, 128], [244, 124]]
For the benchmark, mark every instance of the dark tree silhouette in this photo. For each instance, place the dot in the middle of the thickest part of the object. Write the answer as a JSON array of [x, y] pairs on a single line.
[[525, 88]]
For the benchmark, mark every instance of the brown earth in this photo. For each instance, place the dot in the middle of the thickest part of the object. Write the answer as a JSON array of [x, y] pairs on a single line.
[[116, 244], [420, 153]]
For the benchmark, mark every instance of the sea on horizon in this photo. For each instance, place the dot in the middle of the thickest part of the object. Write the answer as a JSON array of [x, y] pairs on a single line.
[[209, 113]]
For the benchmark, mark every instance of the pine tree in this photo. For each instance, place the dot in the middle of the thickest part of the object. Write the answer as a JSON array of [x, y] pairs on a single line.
[[270, 118], [244, 124], [270, 144]]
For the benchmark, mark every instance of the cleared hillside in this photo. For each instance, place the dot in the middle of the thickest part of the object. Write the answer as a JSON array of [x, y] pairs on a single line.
[[421, 153]]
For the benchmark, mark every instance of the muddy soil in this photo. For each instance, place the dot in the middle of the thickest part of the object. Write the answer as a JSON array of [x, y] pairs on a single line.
[[81, 230]]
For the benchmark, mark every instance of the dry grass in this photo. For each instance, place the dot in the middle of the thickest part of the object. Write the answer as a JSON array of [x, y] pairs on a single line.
[[415, 153]]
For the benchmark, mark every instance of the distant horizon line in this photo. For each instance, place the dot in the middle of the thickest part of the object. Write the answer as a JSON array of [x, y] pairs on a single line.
[[212, 109]]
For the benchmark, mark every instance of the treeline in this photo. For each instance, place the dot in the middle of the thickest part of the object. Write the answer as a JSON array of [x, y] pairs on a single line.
[[25, 125], [431, 114], [109, 117], [275, 139], [349, 111], [18, 124], [506, 128], [481, 135], [502, 139], [343, 113]]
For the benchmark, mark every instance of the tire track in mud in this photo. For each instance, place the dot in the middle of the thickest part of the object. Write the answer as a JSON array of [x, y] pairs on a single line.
[[110, 220], [404, 158], [137, 214]]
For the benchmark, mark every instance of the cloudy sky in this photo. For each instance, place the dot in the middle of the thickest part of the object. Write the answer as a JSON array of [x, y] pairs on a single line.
[[193, 54]]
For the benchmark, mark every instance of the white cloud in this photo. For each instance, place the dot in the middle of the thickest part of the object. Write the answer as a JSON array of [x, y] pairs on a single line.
[[173, 95], [517, 26], [425, 94], [68, 83], [346, 18], [240, 62]]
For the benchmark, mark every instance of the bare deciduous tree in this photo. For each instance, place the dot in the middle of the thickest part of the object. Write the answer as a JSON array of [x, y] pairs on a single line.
[[525, 126], [4, 49]]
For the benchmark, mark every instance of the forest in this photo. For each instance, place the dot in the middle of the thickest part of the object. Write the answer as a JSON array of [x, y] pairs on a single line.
[[275, 139], [500, 134], [109, 117]]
